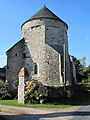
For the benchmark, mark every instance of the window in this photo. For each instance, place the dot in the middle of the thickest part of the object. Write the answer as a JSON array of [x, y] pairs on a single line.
[[35, 68], [32, 27], [7, 67], [24, 55], [62, 64], [16, 54]]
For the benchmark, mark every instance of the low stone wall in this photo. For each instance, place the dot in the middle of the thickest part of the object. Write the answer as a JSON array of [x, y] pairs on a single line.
[[60, 92]]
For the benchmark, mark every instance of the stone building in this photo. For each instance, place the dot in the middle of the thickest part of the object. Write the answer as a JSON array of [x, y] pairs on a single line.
[[41, 50]]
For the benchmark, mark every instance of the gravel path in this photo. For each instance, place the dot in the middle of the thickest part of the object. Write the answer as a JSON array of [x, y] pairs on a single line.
[[73, 113]]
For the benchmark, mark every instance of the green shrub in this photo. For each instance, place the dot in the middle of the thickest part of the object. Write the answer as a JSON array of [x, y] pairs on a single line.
[[68, 83], [3, 91], [16, 82], [35, 92]]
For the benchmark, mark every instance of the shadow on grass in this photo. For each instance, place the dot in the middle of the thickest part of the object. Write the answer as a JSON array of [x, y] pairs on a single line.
[[47, 116], [79, 98], [2, 118]]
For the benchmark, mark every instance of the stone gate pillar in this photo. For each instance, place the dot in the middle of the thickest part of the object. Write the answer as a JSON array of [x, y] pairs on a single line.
[[22, 78]]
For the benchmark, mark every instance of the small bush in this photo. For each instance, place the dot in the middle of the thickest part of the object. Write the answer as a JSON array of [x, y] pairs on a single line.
[[16, 82], [3, 91], [35, 92]]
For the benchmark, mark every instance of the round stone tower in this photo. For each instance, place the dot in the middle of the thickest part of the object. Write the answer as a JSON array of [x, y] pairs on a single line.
[[44, 35]]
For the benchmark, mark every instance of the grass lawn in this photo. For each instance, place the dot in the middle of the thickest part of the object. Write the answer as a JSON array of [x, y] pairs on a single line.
[[46, 105]]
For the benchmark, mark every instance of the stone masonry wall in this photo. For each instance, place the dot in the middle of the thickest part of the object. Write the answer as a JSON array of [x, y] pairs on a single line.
[[39, 35], [15, 62], [35, 39]]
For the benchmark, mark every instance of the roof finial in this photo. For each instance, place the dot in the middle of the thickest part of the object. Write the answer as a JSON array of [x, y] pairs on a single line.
[[44, 5]]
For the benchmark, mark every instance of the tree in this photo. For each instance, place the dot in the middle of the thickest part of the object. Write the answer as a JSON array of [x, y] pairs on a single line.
[[79, 70], [82, 71], [87, 73], [83, 60]]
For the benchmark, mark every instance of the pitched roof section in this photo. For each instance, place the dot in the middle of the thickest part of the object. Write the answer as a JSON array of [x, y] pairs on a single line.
[[44, 13], [22, 40]]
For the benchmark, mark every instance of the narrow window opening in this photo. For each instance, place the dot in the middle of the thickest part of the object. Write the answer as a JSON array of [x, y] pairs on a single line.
[[62, 64], [35, 69], [16, 54], [24, 55], [7, 67], [48, 63], [32, 27]]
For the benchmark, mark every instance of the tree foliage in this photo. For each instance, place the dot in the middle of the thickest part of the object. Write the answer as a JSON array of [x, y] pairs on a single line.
[[3, 91], [82, 71], [87, 73], [79, 70], [16, 82]]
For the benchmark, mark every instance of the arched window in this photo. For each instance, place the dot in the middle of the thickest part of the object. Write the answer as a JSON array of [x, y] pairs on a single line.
[[35, 68]]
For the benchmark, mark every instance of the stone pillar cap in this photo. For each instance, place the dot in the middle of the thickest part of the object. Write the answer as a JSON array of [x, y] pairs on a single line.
[[23, 72]]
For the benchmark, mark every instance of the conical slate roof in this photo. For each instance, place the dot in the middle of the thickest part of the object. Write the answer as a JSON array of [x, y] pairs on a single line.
[[44, 13]]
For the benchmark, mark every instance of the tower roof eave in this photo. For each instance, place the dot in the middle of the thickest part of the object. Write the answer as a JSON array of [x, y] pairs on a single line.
[[44, 13]]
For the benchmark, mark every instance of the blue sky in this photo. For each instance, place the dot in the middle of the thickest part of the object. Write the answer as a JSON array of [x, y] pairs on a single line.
[[74, 12]]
